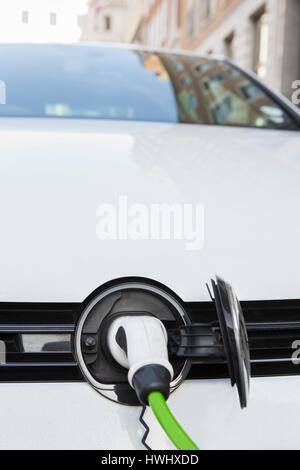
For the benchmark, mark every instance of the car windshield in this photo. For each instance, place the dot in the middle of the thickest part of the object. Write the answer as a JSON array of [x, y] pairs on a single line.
[[93, 82]]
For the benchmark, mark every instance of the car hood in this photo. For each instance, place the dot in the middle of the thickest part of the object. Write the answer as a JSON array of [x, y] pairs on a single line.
[[55, 174]]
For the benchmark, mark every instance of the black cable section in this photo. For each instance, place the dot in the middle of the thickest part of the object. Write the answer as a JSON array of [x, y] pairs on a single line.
[[147, 429]]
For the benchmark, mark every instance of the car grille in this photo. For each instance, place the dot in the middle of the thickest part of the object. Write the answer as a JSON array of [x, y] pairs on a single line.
[[38, 342], [38, 339], [273, 327]]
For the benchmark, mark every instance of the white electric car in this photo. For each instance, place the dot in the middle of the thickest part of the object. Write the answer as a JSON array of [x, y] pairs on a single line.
[[93, 140]]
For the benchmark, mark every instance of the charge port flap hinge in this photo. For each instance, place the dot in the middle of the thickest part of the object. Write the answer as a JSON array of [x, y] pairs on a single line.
[[201, 343]]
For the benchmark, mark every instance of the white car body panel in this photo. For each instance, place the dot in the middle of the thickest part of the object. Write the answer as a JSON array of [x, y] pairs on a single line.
[[55, 173], [73, 416]]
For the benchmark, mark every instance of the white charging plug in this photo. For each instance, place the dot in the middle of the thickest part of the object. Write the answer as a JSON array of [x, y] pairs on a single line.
[[136, 341]]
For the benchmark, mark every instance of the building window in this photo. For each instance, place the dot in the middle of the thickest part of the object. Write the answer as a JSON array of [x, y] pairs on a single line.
[[251, 91], [96, 20], [191, 18], [53, 19], [206, 9], [25, 17], [107, 23], [179, 13], [229, 46], [261, 35]]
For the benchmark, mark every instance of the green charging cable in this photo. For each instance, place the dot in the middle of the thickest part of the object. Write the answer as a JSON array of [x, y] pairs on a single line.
[[169, 424]]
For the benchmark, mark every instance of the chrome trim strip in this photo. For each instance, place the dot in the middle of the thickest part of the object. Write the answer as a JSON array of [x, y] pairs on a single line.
[[37, 328]]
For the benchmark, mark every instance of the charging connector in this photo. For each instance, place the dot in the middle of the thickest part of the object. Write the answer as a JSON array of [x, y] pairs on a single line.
[[140, 344]]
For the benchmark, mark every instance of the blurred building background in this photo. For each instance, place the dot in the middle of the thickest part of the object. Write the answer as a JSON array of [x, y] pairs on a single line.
[[105, 20], [261, 35], [40, 20]]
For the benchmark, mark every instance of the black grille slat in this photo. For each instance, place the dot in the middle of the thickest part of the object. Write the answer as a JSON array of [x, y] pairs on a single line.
[[267, 354], [38, 373], [37, 364], [39, 313], [41, 357]]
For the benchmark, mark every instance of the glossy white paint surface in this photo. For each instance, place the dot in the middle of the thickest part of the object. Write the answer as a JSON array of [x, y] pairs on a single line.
[[73, 416], [55, 173]]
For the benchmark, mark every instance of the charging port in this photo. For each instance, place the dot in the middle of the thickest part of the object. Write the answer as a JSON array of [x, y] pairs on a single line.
[[128, 299]]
